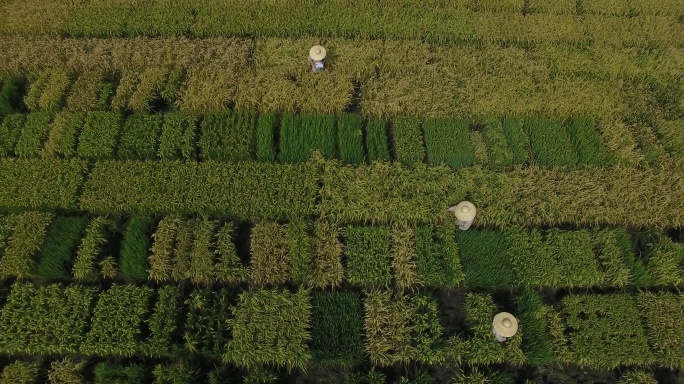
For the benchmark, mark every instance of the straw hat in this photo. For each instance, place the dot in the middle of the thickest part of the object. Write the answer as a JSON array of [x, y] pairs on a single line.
[[505, 324], [465, 211], [317, 52]]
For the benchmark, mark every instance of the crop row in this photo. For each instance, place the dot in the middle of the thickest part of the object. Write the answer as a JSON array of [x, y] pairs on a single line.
[[291, 330], [386, 79], [377, 193], [239, 136], [207, 252], [513, 20]]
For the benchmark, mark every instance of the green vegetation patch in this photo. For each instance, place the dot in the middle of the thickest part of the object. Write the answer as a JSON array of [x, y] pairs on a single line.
[[62, 240], [140, 137], [518, 141], [437, 257], [33, 135], [164, 323], [368, 256], [408, 141], [376, 141], [206, 328], [337, 331], [591, 149], [300, 135], [227, 136], [99, 135], [10, 130], [661, 314], [134, 249], [448, 142], [178, 137], [64, 131], [350, 139], [266, 137], [550, 142], [110, 373], [485, 259]]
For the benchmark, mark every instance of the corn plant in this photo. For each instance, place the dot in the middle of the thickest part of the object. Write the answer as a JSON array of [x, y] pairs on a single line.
[[178, 137], [177, 373], [300, 135], [484, 348], [139, 138], [66, 371], [368, 256], [408, 141], [90, 250], [20, 372], [40, 184], [61, 242], [484, 255], [550, 142], [376, 141], [164, 323], [64, 130], [227, 136], [45, 320], [350, 139], [98, 136], [134, 249], [10, 130], [55, 91], [448, 142], [108, 373], [117, 319], [33, 134], [336, 332], [605, 331], [270, 327], [206, 329], [659, 313], [23, 247]]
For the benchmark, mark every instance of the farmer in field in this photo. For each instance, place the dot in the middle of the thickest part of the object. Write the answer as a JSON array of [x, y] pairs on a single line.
[[465, 214], [316, 56], [504, 326]]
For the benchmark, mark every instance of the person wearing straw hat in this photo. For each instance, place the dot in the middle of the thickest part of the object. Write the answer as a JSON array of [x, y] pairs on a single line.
[[316, 55], [465, 214], [504, 326]]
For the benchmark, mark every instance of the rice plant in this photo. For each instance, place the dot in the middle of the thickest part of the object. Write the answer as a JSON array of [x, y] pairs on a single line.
[[448, 142], [139, 138], [301, 135], [659, 313], [60, 245], [588, 142], [107, 373], [85, 92], [326, 269], [55, 91], [227, 136], [90, 250], [270, 255], [202, 257], [24, 245], [164, 323], [408, 141], [266, 137], [535, 342], [64, 131], [177, 373], [206, 330], [178, 137], [368, 256], [497, 144], [99, 135], [376, 141], [404, 257], [33, 135], [337, 321], [301, 251], [134, 249], [10, 130], [229, 268], [550, 142], [9, 96], [66, 371], [485, 259], [20, 372], [350, 139]]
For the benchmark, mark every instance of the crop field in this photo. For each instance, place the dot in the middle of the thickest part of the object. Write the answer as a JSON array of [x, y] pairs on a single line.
[[183, 201]]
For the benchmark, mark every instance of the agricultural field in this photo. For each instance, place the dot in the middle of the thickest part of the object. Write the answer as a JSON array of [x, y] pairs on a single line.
[[183, 201]]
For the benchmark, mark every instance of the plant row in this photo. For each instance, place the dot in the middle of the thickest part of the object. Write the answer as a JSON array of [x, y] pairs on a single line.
[[379, 193], [472, 20], [474, 81], [207, 251], [239, 136], [291, 330]]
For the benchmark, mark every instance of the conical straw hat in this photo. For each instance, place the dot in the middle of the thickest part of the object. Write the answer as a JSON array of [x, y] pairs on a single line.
[[465, 211], [317, 52], [505, 324]]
